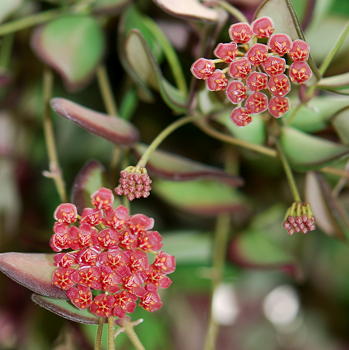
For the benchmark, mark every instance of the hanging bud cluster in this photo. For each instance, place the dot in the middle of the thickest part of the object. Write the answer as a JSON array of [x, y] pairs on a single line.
[[134, 183], [257, 61], [105, 266], [299, 218]]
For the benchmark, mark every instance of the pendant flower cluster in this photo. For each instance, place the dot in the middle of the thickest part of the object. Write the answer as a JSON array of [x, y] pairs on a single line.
[[134, 183], [105, 266], [257, 62], [299, 218]]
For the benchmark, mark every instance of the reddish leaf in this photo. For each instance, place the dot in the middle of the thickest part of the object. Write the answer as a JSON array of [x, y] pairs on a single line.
[[176, 168], [88, 180], [113, 128], [31, 270], [65, 309]]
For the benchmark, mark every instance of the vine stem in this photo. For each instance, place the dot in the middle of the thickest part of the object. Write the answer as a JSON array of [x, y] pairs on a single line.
[[232, 10], [106, 91], [163, 134], [132, 335], [289, 174], [98, 340], [220, 245], [257, 148], [54, 168], [111, 341], [28, 21]]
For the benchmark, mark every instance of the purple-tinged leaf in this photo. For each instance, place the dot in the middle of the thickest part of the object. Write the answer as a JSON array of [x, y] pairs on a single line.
[[252, 249], [31, 270], [114, 129], [329, 215], [87, 181], [174, 167], [203, 197], [73, 45], [188, 9], [65, 309]]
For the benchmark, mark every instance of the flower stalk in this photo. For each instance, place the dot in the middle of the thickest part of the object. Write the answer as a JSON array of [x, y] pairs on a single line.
[[111, 342], [54, 168], [132, 335], [98, 340]]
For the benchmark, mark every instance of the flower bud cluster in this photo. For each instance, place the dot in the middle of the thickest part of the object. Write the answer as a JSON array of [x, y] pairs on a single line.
[[105, 266], [256, 61], [299, 218], [134, 183]]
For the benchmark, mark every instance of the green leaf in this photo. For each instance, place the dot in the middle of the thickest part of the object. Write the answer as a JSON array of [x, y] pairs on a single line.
[[307, 152], [188, 247], [73, 45], [253, 133], [188, 9], [112, 128], [65, 309], [285, 21], [142, 63], [328, 212], [201, 197], [253, 249], [88, 180], [31, 270], [341, 123], [108, 6], [176, 168], [315, 115]]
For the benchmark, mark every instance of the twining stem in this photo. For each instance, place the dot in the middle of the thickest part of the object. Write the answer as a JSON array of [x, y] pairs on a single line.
[[28, 21], [289, 174], [54, 169], [111, 340], [163, 134], [98, 340], [232, 10], [106, 91], [219, 250], [132, 335], [203, 125]]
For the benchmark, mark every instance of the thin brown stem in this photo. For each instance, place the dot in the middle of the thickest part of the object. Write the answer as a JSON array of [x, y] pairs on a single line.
[[111, 341], [106, 91], [98, 340], [219, 249], [54, 168], [129, 330]]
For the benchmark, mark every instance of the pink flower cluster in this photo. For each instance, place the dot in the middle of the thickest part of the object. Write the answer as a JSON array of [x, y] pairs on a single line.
[[107, 268], [299, 218], [257, 62], [134, 183]]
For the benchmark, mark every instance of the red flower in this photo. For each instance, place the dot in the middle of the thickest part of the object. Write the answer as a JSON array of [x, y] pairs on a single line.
[[240, 32], [151, 301], [263, 27], [299, 51], [236, 91], [165, 263], [300, 72], [257, 54], [280, 44], [274, 65], [257, 81], [279, 85], [102, 198], [227, 52], [103, 305], [240, 68], [80, 296], [62, 278], [66, 212], [278, 106], [202, 68], [217, 81], [240, 116], [257, 103]]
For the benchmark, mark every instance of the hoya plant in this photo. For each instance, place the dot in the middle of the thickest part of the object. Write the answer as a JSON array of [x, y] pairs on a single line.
[[250, 195]]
